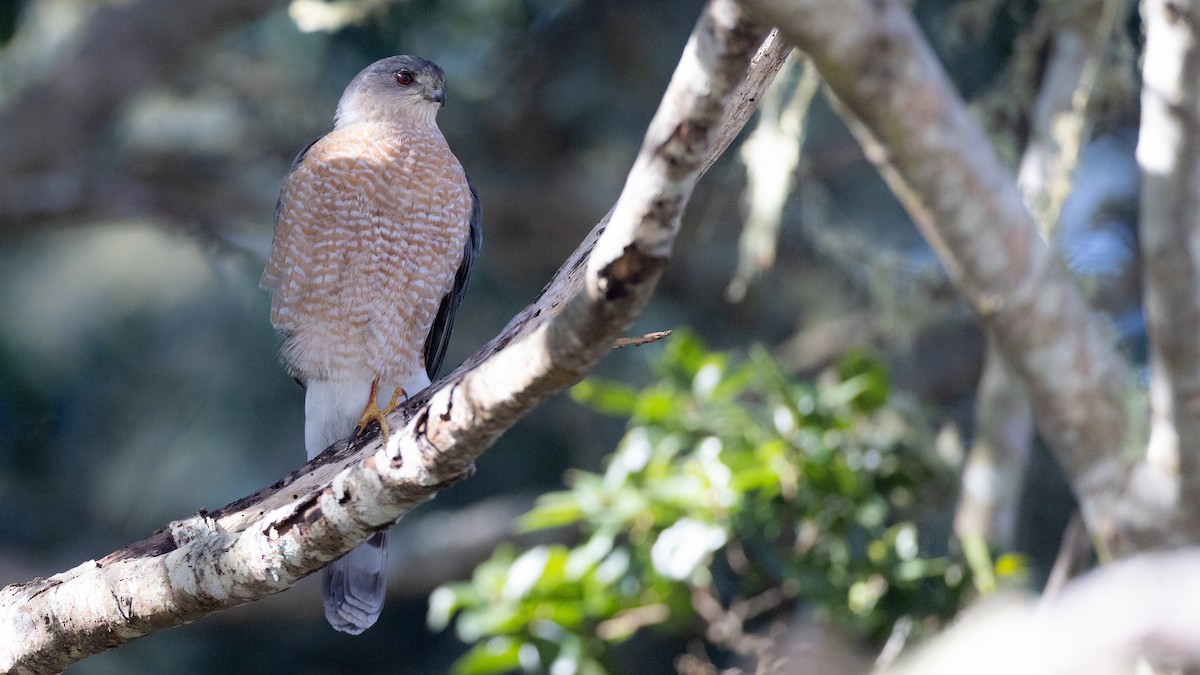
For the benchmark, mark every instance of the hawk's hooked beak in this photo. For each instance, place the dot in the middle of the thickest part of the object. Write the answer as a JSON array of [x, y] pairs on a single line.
[[436, 94]]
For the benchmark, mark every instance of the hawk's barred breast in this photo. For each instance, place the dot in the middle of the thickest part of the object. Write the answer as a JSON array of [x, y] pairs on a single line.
[[371, 217]]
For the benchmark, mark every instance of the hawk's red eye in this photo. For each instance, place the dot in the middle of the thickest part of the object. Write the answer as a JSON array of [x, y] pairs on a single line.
[[404, 78]]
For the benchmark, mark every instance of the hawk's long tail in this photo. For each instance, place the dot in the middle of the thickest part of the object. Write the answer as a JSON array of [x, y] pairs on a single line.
[[355, 586]]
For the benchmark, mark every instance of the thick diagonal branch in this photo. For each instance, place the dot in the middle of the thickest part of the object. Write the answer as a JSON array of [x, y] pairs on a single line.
[[992, 477], [264, 543]]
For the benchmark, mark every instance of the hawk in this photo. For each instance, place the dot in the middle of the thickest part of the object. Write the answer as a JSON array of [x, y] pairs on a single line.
[[376, 228]]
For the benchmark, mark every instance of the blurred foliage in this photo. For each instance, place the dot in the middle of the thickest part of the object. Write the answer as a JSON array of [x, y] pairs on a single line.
[[810, 488]]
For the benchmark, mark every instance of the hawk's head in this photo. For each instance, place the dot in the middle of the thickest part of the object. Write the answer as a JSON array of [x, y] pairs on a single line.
[[404, 87]]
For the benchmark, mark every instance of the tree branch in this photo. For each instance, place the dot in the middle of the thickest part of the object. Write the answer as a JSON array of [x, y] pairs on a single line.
[[265, 542], [1169, 155], [1100, 623], [915, 128], [1004, 434], [621, 343]]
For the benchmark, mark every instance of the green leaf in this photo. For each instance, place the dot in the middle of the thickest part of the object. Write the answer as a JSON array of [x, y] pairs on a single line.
[[654, 405], [683, 355], [869, 380], [813, 488], [552, 510], [444, 602], [527, 571], [497, 655], [605, 396], [498, 618], [583, 559]]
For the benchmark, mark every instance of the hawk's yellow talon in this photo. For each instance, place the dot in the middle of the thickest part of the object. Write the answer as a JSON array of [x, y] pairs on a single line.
[[372, 413], [395, 402]]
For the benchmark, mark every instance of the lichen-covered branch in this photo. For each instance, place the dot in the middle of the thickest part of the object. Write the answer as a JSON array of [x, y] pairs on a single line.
[[265, 542], [915, 128]]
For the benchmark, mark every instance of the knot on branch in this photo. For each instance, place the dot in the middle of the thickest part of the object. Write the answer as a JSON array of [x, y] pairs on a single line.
[[620, 277], [198, 527]]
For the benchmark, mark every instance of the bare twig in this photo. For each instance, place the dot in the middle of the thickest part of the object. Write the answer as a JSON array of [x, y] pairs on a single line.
[[627, 622], [646, 339], [896, 641], [1071, 559], [726, 626], [265, 542]]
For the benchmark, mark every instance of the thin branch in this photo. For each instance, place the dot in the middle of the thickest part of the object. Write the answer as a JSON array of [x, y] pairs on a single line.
[[1074, 556], [726, 626], [915, 128], [1080, 33], [894, 646], [621, 343], [265, 542], [439, 547], [993, 473]]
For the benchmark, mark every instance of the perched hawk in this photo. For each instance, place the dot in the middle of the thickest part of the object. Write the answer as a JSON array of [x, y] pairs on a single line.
[[375, 231]]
